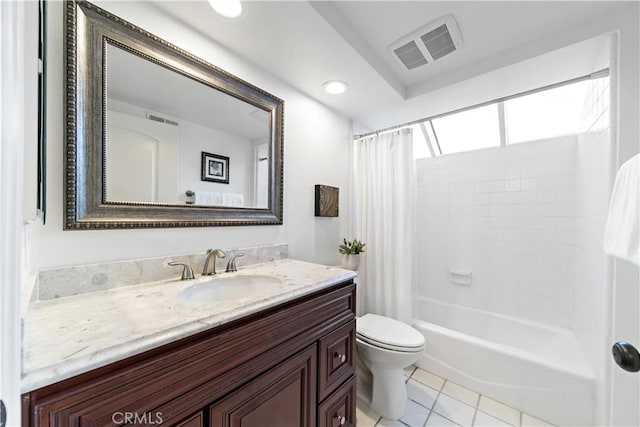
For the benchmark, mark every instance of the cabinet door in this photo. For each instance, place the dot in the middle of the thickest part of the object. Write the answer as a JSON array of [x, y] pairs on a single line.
[[283, 396], [339, 409], [193, 421]]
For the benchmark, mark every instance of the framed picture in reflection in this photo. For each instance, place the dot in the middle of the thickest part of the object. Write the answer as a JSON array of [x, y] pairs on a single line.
[[215, 168]]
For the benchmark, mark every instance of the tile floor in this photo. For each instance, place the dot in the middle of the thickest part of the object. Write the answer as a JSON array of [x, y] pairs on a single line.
[[435, 401]]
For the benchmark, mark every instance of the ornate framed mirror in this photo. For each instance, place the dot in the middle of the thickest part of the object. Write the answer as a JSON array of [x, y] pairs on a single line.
[[156, 137]]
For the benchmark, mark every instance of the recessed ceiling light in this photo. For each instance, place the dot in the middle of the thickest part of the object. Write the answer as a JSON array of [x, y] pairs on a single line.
[[227, 8], [335, 87]]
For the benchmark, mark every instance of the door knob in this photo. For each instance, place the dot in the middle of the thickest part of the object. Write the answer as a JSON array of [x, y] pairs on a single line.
[[626, 356]]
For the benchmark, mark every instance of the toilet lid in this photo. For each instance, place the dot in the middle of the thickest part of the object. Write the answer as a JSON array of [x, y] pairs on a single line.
[[388, 333]]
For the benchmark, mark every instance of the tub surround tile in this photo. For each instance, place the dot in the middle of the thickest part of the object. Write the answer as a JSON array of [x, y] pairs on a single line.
[[67, 336], [499, 410], [68, 281]]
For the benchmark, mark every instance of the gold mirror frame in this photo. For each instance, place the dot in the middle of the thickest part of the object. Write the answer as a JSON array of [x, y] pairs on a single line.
[[87, 29]]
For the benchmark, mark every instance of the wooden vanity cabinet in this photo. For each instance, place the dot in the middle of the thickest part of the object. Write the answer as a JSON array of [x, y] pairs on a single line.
[[196, 420], [283, 396], [289, 365]]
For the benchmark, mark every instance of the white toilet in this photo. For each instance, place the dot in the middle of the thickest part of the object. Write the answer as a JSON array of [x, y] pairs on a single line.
[[385, 346]]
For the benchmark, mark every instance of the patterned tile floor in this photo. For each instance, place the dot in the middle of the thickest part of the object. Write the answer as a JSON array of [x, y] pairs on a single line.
[[435, 401]]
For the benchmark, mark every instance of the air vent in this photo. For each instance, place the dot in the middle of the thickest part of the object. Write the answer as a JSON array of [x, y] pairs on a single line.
[[410, 55], [438, 42], [156, 118], [429, 43]]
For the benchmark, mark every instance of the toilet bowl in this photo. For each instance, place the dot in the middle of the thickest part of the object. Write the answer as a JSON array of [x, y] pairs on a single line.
[[385, 346]]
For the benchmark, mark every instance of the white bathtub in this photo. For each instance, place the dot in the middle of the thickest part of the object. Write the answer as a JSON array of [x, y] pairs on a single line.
[[533, 367]]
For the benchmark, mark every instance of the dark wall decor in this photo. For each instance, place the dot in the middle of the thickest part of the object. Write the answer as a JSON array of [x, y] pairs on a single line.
[[327, 200]]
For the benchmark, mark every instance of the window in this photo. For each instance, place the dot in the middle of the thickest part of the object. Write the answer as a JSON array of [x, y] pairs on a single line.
[[564, 110], [468, 130], [545, 114]]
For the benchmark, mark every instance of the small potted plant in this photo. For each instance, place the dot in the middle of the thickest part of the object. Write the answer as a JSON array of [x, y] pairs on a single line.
[[351, 250]]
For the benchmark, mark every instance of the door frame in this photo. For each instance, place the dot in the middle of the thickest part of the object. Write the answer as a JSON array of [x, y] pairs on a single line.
[[13, 17]]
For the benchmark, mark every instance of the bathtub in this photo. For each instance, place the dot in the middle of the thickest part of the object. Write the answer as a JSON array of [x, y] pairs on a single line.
[[536, 368]]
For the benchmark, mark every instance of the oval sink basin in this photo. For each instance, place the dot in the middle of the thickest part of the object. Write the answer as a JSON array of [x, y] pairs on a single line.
[[229, 288]]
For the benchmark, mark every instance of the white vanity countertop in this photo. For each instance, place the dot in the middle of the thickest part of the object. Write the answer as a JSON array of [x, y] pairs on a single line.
[[68, 336]]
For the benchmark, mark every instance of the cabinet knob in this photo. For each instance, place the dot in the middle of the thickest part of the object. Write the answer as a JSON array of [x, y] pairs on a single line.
[[341, 420], [342, 357]]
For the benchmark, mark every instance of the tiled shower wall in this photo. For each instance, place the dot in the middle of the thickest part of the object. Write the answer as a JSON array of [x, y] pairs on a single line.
[[527, 221], [508, 216]]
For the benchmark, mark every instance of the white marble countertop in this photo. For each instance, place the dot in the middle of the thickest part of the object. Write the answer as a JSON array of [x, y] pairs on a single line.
[[67, 336]]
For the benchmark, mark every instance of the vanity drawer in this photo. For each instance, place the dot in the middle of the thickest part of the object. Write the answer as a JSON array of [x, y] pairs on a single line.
[[337, 358], [195, 421], [338, 410]]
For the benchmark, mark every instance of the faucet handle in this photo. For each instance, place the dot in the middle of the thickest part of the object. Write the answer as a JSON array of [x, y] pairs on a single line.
[[231, 265], [187, 272]]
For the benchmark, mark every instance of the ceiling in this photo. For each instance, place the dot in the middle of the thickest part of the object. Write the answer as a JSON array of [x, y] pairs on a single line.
[[307, 43]]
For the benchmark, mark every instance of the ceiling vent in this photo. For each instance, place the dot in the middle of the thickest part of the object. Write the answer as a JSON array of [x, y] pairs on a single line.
[[428, 43]]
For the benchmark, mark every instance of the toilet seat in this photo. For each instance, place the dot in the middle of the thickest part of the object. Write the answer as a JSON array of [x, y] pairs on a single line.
[[389, 334]]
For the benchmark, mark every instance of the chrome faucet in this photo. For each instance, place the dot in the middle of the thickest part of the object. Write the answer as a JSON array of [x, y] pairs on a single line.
[[231, 265], [209, 268]]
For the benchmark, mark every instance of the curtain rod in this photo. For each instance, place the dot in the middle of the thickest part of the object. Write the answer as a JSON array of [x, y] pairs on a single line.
[[595, 75]]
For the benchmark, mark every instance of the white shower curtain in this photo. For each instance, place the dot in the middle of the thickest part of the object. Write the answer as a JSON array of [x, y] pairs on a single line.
[[384, 196]]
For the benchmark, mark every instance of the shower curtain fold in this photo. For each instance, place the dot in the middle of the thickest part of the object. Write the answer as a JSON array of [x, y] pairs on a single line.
[[384, 189]]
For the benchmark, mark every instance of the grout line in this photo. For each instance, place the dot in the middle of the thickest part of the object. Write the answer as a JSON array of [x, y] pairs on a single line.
[[427, 420], [475, 414], [448, 419], [476, 408]]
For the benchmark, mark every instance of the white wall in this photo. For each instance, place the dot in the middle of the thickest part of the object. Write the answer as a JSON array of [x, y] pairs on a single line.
[[195, 139], [625, 387], [506, 215], [316, 151]]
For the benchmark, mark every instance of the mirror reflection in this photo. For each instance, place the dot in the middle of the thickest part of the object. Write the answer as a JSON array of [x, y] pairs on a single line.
[[157, 137], [171, 139]]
